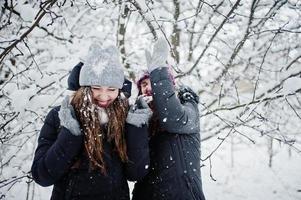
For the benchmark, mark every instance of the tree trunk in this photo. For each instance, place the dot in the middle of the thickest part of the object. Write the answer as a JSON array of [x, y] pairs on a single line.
[[175, 37]]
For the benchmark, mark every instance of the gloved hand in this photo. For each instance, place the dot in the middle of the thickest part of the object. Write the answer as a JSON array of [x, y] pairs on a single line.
[[68, 119], [186, 94], [143, 101], [139, 113], [159, 56]]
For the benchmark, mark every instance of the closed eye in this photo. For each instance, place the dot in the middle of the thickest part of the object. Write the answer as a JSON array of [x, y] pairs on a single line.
[[112, 89]]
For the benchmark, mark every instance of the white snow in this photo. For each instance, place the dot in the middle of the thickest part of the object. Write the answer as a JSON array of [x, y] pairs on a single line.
[[26, 11], [291, 85], [250, 177], [240, 173]]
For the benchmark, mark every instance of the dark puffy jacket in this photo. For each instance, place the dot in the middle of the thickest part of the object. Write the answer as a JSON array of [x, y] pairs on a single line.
[[175, 152], [58, 151]]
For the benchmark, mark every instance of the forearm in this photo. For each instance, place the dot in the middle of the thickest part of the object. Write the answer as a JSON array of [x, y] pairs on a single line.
[[173, 116], [166, 102], [53, 160]]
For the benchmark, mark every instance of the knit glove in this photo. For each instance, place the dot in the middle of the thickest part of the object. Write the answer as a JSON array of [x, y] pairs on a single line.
[[68, 119], [186, 94], [139, 113], [159, 56]]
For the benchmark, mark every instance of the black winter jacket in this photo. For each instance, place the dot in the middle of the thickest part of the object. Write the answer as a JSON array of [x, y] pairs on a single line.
[[175, 152], [58, 150]]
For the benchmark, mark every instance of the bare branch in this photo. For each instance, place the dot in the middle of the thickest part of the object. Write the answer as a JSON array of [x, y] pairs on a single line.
[[262, 62], [250, 103], [242, 42], [292, 62], [175, 36], [43, 11], [292, 108], [210, 41], [277, 86], [222, 140], [149, 24], [53, 35], [211, 176]]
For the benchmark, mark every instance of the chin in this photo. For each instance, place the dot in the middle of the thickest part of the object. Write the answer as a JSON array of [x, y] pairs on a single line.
[[103, 105]]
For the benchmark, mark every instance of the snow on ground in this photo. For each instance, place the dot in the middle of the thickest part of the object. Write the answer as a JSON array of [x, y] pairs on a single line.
[[251, 178]]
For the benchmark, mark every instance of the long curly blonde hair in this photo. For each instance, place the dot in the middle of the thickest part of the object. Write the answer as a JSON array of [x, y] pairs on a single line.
[[94, 134]]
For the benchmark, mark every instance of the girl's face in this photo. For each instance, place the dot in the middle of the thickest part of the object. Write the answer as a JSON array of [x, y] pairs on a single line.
[[146, 87], [103, 96]]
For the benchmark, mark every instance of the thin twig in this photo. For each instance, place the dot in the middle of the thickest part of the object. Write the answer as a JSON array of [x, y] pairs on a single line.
[[210, 41], [292, 108], [42, 12], [250, 103], [149, 24]]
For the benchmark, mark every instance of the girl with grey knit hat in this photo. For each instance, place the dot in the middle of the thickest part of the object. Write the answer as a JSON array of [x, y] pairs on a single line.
[[93, 143]]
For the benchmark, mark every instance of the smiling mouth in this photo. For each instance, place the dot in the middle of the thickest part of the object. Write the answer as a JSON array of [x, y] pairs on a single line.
[[102, 104]]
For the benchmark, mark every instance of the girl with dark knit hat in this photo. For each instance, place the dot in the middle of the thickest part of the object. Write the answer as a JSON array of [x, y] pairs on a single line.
[[93, 143]]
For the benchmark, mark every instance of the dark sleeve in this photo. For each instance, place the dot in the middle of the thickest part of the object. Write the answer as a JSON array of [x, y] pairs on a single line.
[[174, 116], [138, 152], [55, 151]]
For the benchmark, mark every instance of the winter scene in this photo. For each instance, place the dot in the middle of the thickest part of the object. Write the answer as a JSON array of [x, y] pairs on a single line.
[[150, 99]]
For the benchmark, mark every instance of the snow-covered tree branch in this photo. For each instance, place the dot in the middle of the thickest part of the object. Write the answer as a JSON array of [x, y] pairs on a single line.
[[242, 57]]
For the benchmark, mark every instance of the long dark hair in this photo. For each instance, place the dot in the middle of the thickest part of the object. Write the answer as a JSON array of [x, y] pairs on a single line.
[[87, 114]]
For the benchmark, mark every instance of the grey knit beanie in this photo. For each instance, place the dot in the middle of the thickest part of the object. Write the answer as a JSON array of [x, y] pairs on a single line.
[[102, 68]]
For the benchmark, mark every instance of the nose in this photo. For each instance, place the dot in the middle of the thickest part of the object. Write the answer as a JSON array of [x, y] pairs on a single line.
[[103, 97], [148, 91]]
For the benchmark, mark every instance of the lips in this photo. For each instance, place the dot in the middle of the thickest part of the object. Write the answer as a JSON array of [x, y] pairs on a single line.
[[102, 104], [149, 93]]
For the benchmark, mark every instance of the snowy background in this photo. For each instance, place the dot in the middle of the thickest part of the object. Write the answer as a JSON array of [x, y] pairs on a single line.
[[242, 57]]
